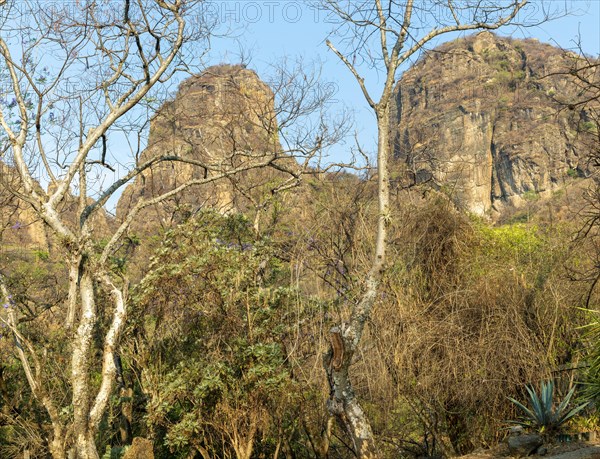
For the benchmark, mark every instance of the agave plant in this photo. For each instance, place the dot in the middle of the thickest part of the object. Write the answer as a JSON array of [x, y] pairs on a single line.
[[543, 415]]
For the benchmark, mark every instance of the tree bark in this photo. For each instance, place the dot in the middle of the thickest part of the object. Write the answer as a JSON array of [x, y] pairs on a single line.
[[243, 445], [125, 404], [57, 444], [80, 370], [73, 291], [344, 342]]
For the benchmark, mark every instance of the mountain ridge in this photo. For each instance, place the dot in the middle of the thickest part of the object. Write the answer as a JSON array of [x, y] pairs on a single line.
[[481, 118], [478, 118]]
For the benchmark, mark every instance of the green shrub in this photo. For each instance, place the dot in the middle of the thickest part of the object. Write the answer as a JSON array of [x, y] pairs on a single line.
[[588, 126], [216, 315], [531, 195]]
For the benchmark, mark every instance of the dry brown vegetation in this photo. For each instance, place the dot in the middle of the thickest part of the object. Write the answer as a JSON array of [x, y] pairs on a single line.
[[354, 317]]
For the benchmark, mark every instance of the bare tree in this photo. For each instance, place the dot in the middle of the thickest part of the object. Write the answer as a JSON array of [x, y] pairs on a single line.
[[100, 64], [584, 72], [74, 75], [386, 35]]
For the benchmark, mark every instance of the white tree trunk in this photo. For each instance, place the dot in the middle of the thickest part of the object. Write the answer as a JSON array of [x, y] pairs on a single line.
[[80, 370], [344, 342]]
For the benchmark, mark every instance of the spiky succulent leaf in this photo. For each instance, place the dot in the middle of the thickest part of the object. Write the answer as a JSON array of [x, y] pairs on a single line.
[[572, 413], [530, 414], [548, 388], [565, 402], [537, 404], [547, 392]]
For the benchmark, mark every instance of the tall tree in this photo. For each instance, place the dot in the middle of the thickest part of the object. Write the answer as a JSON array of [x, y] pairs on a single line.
[[73, 71], [74, 75], [384, 35]]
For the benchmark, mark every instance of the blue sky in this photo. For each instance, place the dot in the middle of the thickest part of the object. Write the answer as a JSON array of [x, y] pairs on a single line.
[[266, 31]]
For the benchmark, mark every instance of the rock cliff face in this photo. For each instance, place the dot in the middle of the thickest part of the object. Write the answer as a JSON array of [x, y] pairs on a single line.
[[19, 226], [216, 118], [479, 118]]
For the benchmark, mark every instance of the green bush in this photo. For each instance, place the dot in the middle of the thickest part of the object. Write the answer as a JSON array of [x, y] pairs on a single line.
[[41, 255], [216, 314], [531, 195], [588, 126]]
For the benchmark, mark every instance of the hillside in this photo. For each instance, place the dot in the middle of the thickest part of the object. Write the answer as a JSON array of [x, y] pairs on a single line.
[[217, 118], [480, 118]]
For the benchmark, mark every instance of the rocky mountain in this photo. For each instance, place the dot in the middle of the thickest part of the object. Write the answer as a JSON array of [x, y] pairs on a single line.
[[217, 118], [20, 227], [480, 118]]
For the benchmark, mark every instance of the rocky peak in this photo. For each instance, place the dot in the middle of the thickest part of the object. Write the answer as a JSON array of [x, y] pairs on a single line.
[[215, 118], [478, 118], [20, 226], [225, 107]]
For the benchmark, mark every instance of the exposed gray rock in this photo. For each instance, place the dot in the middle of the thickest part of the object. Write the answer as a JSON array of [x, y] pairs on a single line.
[[593, 452], [524, 445], [516, 430]]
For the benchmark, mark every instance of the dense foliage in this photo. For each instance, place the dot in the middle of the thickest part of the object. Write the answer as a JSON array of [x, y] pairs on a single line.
[[224, 350], [215, 321]]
